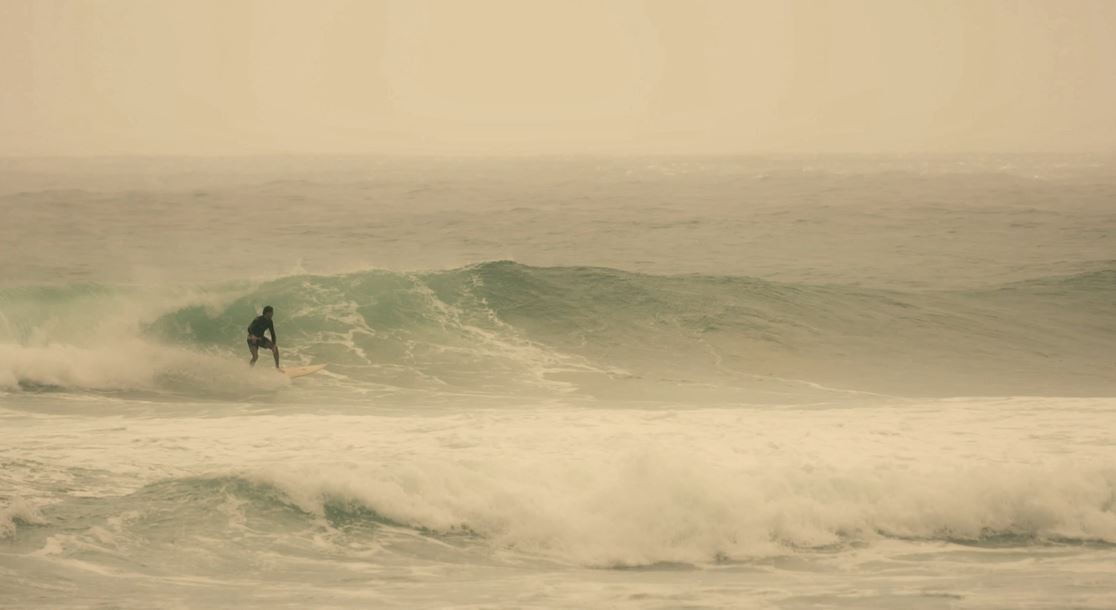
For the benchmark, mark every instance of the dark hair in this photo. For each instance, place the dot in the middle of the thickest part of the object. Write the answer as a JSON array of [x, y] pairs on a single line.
[[268, 309]]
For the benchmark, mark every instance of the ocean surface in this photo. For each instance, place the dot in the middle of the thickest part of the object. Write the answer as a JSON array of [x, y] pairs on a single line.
[[725, 382]]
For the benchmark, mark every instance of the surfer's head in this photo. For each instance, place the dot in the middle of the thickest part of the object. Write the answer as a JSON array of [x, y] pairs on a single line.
[[269, 311]]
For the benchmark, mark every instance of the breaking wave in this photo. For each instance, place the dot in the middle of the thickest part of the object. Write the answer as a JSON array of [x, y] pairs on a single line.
[[645, 508], [505, 327]]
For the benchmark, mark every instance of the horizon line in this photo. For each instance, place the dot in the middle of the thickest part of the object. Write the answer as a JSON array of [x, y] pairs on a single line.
[[529, 155]]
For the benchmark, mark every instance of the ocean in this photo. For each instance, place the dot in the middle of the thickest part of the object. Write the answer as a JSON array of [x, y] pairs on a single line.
[[559, 382]]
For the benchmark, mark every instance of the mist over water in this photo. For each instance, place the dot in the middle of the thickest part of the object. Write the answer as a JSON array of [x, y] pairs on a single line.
[[902, 222], [560, 382]]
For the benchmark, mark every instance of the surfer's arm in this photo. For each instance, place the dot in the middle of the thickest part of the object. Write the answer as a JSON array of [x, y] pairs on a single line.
[[271, 327]]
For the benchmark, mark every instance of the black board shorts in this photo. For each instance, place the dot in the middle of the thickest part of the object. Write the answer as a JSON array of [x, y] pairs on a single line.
[[263, 342]]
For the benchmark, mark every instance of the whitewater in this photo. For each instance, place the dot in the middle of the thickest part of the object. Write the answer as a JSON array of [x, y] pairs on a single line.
[[641, 382]]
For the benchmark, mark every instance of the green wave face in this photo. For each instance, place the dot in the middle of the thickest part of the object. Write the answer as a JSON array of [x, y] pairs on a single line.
[[505, 328]]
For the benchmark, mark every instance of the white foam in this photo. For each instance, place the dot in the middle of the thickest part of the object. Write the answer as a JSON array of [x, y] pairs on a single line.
[[18, 509], [632, 487], [653, 506], [96, 341], [611, 488], [128, 364]]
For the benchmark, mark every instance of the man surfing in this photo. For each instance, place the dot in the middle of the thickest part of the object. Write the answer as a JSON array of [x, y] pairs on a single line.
[[256, 340]]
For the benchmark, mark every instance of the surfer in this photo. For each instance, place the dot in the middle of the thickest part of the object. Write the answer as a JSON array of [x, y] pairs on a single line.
[[256, 340]]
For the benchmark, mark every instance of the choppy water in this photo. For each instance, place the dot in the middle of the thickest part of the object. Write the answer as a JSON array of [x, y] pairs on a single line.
[[646, 383]]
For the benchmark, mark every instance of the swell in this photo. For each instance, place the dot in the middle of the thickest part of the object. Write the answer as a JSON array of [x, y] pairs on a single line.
[[502, 326]]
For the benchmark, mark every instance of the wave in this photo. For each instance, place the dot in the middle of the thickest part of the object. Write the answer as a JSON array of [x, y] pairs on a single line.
[[643, 508], [505, 327], [19, 511], [91, 337], [654, 507]]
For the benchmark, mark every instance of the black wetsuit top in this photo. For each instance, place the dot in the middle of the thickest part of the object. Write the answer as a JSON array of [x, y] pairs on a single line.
[[259, 325]]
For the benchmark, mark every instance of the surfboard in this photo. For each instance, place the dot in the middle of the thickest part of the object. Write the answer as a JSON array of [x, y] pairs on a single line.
[[299, 371]]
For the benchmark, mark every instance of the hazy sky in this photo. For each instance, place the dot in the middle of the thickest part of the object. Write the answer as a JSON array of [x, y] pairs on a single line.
[[523, 76]]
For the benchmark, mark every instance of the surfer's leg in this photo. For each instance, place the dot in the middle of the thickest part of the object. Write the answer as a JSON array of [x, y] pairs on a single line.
[[255, 353]]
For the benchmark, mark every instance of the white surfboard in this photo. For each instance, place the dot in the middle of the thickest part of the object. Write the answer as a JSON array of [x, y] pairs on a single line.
[[299, 371]]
